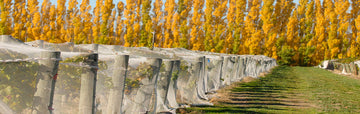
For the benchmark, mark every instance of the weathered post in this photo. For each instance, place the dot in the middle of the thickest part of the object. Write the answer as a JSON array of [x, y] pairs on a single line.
[[357, 67], [69, 45], [235, 69], [353, 68], [153, 41], [241, 67], [171, 95], [197, 83], [40, 43], [95, 48], [43, 98], [214, 66], [226, 71], [347, 68], [88, 84], [155, 66], [163, 86], [145, 98], [117, 92], [202, 78]]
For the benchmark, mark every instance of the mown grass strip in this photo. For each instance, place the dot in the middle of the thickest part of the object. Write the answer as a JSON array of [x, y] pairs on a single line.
[[332, 92], [291, 90]]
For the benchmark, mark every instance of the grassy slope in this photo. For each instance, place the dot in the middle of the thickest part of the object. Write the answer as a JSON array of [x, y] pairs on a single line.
[[292, 90]]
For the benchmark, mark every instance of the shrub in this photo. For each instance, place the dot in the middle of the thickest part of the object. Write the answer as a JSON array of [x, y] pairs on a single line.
[[285, 56]]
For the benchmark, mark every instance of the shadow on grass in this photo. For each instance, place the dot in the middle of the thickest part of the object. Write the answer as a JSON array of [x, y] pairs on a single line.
[[260, 104], [253, 99], [234, 109], [259, 96]]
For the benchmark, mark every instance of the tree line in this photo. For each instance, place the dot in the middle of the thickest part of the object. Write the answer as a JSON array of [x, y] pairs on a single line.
[[298, 34]]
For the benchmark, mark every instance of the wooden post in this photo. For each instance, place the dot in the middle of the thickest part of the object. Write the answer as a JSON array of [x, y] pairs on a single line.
[[40, 43], [238, 71], [169, 71], [163, 84], [95, 48], [241, 67], [153, 41], [235, 69], [347, 68], [88, 84], [203, 74], [171, 94], [43, 98], [155, 66], [353, 68], [146, 95], [117, 92], [197, 69], [225, 78]]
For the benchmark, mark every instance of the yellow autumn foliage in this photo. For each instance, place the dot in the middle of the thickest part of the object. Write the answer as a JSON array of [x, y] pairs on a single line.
[[309, 30]]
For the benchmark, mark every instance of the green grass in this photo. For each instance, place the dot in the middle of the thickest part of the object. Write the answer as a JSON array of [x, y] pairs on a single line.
[[292, 90], [333, 93]]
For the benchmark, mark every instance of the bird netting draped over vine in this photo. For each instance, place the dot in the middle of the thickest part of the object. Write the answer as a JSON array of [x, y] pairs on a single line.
[[76, 77], [114, 79], [347, 68], [22, 69], [214, 72]]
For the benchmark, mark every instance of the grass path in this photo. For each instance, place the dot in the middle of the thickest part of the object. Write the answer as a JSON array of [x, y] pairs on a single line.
[[289, 90]]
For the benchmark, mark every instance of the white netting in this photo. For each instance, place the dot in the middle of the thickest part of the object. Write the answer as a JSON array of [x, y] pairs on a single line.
[[25, 76], [17, 85], [76, 77], [149, 81], [140, 95], [163, 85], [171, 101], [358, 64], [214, 71], [351, 68], [228, 70], [357, 67], [190, 82]]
